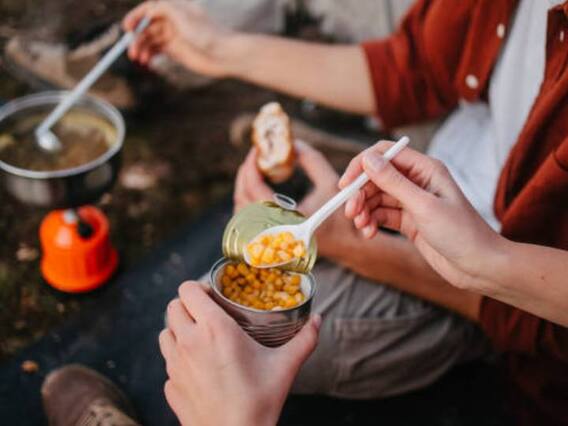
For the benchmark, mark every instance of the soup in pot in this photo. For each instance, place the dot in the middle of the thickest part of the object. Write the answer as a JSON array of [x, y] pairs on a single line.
[[84, 137]]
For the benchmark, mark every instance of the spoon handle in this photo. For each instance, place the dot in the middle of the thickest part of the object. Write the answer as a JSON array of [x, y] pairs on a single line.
[[346, 193], [92, 76]]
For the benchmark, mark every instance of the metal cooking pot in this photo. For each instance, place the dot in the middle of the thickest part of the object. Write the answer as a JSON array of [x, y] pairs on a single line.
[[66, 188]]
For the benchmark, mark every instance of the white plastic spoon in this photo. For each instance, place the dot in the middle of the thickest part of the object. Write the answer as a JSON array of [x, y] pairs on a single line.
[[45, 138], [305, 230]]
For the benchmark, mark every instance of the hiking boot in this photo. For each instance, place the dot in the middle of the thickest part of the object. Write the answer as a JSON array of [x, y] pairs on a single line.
[[55, 65], [78, 396]]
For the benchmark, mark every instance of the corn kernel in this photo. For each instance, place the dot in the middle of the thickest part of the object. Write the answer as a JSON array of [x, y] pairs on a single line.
[[290, 302], [291, 290], [242, 269], [231, 271], [295, 280], [275, 244], [277, 248], [263, 289], [284, 256], [299, 250], [267, 256], [256, 250], [287, 237]]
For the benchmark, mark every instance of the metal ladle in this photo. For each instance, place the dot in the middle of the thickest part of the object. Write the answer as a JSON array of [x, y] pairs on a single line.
[[45, 138]]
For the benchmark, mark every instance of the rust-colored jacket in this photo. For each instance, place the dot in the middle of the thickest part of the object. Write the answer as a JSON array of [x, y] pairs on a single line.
[[444, 52]]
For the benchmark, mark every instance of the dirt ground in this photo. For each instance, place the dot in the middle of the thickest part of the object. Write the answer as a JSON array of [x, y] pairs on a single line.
[[177, 160]]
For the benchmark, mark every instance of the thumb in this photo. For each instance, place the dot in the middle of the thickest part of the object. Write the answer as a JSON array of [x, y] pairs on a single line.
[[297, 350], [390, 180], [317, 167]]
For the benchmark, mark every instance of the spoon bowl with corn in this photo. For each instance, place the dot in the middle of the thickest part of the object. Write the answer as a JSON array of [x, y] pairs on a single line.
[[280, 245]]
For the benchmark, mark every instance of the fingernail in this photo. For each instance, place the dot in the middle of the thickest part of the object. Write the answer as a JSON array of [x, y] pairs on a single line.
[[349, 206], [316, 318], [368, 231], [300, 144], [373, 161]]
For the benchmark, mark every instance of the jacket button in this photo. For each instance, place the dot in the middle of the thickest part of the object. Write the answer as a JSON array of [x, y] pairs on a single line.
[[471, 81], [501, 30]]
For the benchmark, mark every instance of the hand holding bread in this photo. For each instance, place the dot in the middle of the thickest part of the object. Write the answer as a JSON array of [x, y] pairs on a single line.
[[273, 139]]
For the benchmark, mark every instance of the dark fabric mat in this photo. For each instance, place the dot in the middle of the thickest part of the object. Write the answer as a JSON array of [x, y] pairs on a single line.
[[469, 395], [117, 335]]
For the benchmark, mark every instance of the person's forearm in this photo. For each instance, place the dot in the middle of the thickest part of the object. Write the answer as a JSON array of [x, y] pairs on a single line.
[[530, 277], [333, 75], [396, 262]]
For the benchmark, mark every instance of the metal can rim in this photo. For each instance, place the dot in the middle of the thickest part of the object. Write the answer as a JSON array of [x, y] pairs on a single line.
[[216, 266]]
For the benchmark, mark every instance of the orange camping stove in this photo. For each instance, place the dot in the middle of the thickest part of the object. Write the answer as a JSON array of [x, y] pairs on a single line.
[[77, 253]]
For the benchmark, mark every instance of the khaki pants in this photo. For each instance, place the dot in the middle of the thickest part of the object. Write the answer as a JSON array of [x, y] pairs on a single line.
[[377, 342]]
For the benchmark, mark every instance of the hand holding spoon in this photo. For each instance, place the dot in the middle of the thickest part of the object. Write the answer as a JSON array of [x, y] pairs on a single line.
[[45, 138], [304, 231]]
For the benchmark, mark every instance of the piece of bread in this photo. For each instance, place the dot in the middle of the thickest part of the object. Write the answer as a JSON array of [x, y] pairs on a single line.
[[272, 135]]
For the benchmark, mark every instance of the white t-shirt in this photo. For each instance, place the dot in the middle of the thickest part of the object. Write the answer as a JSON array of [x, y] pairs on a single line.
[[476, 139]]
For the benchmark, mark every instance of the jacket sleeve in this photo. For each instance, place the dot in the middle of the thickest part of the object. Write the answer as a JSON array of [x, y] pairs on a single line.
[[513, 330], [413, 72]]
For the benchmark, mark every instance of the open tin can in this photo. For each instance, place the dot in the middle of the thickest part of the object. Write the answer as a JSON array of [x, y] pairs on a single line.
[[251, 220], [276, 327], [269, 328]]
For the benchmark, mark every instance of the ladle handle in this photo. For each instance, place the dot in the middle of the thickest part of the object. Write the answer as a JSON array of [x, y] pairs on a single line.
[[92, 76], [346, 193]]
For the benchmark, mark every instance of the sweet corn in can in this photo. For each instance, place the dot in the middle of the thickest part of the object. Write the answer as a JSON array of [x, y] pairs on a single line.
[[255, 218], [269, 328]]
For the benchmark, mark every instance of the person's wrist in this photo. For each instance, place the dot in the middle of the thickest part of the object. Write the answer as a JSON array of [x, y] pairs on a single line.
[[501, 265], [264, 418], [232, 52], [260, 414], [492, 267]]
